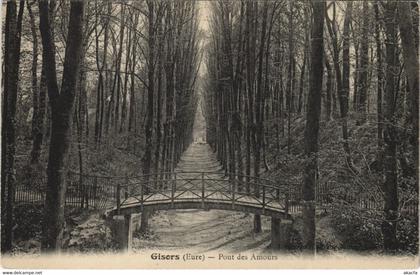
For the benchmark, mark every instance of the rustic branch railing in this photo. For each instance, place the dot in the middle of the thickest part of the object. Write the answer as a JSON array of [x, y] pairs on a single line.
[[104, 192], [202, 187]]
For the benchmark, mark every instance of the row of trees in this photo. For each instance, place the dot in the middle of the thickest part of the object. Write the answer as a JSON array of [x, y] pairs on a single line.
[[268, 64], [111, 73]]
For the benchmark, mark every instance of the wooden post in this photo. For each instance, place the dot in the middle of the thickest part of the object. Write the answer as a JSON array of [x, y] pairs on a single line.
[[118, 198], [122, 231], [202, 190], [126, 187], [263, 198], [174, 182], [285, 229], [87, 198], [81, 194], [275, 233], [233, 194], [128, 231], [280, 233], [173, 190], [95, 187], [141, 196], [144, 225]]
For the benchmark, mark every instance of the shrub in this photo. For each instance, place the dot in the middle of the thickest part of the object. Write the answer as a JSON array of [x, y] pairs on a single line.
[[295, 241], [28, 219], [326, 237], [407, 234], [360, 229]]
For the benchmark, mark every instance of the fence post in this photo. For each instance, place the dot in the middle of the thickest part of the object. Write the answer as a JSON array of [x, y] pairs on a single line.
[[202, 190], [126, 187], [95, 184], [173, 190], [118, 198], [81, 195], [141, 197], [174, 181], [263, 198], [233, 193]]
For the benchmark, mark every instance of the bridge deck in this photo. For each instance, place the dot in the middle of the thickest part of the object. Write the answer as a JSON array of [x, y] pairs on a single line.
[[186, 188], [211, 200]]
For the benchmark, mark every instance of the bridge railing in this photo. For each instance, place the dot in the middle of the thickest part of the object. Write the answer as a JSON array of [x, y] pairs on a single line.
[[104, 192], [203, 187]]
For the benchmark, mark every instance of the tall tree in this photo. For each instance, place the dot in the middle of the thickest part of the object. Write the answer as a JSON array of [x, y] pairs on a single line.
[[364, 63], [344, 93], [312, 125], [380, 76], [147, 158], [61, 102], [100, 97], [38, 93], [159, 99], [290, 72], [259, 113], [342, 77], [11, 76], [411, 61], [390, 187]]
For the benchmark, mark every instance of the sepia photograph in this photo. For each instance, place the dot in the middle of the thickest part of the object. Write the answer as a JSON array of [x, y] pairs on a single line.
[[252, 134]]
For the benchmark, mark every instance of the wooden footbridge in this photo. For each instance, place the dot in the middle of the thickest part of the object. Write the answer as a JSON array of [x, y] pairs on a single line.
[[202, 190], [176, 190]]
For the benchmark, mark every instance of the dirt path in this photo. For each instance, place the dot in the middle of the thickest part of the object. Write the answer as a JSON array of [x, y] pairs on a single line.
[[198, 230]]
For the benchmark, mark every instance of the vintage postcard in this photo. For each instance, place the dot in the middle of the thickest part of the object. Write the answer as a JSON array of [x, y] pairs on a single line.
[[245, 134]]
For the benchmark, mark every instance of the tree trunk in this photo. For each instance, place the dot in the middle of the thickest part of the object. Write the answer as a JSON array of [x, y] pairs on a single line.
[[364, 63], [12, 61], [356, 70], [170, 91], [345, 87], [150, 90], [100, 97], [290, 69], [411, 62], [342, 80], [389, 225], [259, 101], [40, 120], [312, 126], [380, 75], [35, 89], [118, 70], [126, 76], [328, 94], [62, 110], [302, 77], [132, 116], [250, 72], [159, 99]]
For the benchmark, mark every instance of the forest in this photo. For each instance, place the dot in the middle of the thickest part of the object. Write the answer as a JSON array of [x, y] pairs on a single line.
[[318, 98]]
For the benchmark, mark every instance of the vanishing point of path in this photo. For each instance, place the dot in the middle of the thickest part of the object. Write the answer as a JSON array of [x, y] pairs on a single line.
[[200, 230]]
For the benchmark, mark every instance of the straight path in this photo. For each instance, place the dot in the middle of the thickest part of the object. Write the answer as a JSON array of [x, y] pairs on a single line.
[[199, 230]]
